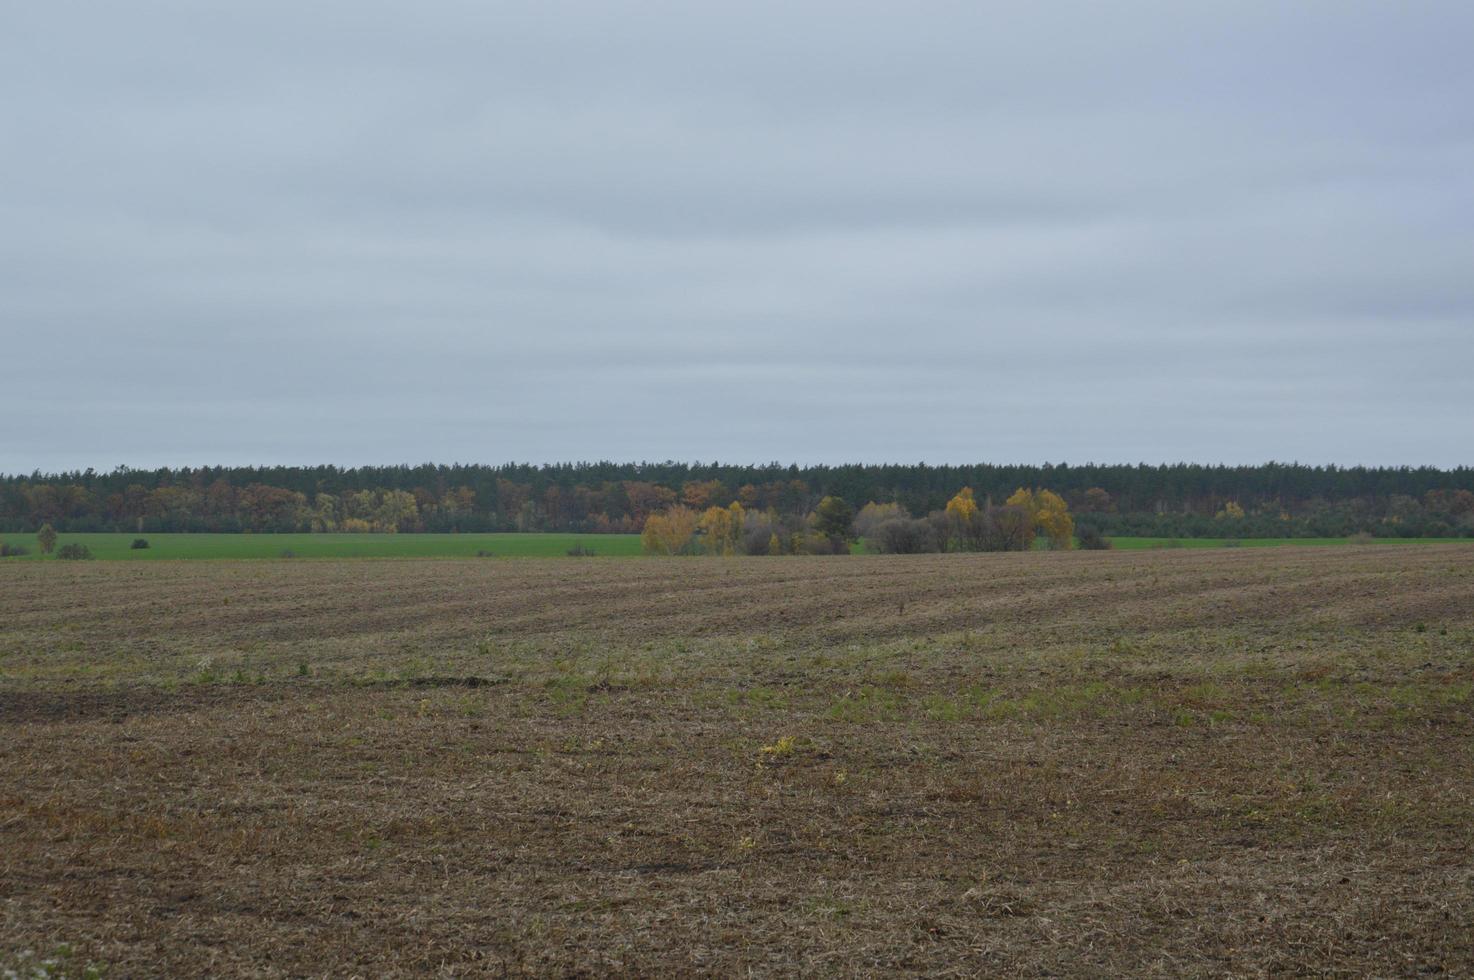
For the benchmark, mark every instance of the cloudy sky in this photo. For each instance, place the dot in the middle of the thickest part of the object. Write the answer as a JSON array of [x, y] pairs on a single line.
[[361, 232]]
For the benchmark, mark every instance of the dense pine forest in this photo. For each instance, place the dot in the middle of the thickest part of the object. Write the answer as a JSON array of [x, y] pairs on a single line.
[[1180, 500]]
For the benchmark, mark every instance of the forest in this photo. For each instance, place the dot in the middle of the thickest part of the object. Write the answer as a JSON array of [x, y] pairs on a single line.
[[1176, 500]]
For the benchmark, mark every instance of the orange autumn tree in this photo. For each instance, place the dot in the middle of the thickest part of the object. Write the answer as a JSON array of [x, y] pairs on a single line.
[[699, 495]]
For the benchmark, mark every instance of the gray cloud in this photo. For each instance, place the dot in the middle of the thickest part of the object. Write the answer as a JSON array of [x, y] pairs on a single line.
[[367, 232]]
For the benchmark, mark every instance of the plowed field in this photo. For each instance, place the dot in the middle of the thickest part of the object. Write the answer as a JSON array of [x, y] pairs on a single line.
[[1173, 762]]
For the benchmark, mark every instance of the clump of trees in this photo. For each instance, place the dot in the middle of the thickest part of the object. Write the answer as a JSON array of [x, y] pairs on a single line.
[[1026, 517], [722, 528], [964, 524], [382, 511], [1049, 513], [736, 530]]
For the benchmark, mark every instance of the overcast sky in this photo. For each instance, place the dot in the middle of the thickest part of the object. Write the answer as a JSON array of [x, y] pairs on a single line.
[[456, 230]]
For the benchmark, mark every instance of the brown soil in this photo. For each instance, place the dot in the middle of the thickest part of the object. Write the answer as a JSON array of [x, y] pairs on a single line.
[[1179, 762]]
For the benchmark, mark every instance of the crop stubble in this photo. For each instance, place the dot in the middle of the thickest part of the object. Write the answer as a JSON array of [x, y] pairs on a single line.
[[1173, 763]]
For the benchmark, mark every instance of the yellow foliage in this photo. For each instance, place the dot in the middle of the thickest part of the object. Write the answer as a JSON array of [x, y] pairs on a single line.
[[962, 507], [738, 518], [716, 531], [713, 525], [1052, 516], [1231, 511], [721, 529], [670, 532], [1048, 514], [1023, 497]]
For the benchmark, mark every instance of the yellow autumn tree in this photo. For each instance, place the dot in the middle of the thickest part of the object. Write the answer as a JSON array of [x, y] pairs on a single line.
[[962, 512], [962, 507], [1049, 515], [716, 531], [1022, 497], [721, 529], [669, 532], [1231, 511], [738, 523], [650, 537], [1052, 517]]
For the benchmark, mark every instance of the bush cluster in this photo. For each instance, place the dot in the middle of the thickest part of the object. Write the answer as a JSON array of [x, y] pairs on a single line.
[[1089, 538]]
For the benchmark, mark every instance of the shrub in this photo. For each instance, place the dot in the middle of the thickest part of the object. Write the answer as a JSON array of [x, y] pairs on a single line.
[[73, 552], [872, 515], [579, 551], [903, 536], [817, 543], [1091, 539], [756, 540], [139, 544], [759, 530], [13, 550]]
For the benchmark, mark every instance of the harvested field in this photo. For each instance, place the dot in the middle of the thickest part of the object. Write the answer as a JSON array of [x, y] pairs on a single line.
[[1172, 763]]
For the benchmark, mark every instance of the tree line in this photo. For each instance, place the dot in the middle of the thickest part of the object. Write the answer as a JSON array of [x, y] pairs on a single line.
[[1177, 500], [833, 527]]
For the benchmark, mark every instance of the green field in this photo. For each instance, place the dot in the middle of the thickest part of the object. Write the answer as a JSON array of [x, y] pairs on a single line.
[[166, 546]]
